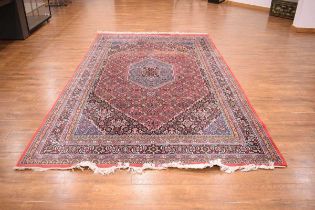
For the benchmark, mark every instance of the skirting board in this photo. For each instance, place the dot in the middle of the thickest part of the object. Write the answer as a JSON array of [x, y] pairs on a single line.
[[303, 30], [249, 6]]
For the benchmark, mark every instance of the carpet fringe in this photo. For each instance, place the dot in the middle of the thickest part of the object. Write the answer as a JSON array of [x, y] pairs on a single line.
[[109, 170], [151, 32]]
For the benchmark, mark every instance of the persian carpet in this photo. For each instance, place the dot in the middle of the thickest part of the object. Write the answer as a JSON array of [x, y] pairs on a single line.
[[152, 100]]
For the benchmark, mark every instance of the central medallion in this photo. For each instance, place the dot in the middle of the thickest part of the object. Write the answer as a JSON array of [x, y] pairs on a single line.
[[151, 73], [151, 89]]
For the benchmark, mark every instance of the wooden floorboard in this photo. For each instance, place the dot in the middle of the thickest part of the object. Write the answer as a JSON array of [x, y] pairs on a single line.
[[274, 64]]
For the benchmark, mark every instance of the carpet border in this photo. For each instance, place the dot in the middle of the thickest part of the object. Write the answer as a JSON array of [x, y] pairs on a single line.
[[284, 163], [55, 102], [140, 167]]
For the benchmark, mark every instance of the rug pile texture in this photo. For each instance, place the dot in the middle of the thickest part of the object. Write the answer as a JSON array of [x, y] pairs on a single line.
[[151, 100]]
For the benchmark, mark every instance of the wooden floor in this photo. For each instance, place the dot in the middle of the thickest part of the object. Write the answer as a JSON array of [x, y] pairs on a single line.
[[275, 65]]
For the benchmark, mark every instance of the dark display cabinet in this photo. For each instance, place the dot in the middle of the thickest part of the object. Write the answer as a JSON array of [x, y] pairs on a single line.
[[18, 18]]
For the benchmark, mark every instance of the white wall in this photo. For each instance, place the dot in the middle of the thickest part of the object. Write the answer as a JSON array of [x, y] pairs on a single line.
[[262, 3], [305, 14]]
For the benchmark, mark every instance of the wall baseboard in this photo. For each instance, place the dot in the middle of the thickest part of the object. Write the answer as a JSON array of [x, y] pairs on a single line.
[[303, 30], [249, 6]]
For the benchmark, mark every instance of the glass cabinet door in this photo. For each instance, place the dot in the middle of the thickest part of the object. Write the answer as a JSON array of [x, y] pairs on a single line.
[[37, 11]]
